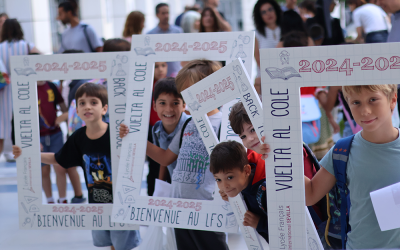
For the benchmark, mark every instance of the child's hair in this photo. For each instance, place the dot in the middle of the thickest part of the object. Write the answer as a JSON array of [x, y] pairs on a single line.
[[116, 44], [295, 38], [308, 5], [72, 51], [387, 89], [238, 117], [94, 90], [195, 71], [226, 156], [166, 86], [316, 32]]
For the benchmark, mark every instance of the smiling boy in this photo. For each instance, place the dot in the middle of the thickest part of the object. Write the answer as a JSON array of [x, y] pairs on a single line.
[[373, 163], [89, 147]]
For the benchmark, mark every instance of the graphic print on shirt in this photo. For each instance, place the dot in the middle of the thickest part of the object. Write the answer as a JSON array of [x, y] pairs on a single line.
[[42, 119], [99, 177], [193, 159]]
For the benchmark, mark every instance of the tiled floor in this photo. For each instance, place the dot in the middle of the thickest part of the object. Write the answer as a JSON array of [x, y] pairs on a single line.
[[13, 238]]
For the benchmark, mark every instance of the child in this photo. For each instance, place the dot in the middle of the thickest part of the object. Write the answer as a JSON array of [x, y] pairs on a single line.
[[51, 140], [372, 164], [230, 165], [192, 161], [160, 72], [89, 147]]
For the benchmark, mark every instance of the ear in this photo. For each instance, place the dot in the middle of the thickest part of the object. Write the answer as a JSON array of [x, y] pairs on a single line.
[[184, 106], [104, 109], [154, 106], [247, 169], [393, 102]]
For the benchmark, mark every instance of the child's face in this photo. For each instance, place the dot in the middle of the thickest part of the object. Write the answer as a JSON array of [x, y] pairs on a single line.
[[371, 110], [160, 70], [169, 109], [249, 137], [90, 109], [233, 181]]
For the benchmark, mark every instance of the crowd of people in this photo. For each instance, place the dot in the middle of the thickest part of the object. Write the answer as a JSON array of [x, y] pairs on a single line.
[[82, 103]]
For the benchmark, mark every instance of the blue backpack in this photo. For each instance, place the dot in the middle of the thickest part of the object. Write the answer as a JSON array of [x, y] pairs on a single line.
[[337, 202]]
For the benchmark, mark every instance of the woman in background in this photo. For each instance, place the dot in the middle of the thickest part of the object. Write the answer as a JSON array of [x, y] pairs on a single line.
[[134, 25]]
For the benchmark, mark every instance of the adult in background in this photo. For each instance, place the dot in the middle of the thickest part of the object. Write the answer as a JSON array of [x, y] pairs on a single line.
[[209, 23], [12, 44], [392, 6], [370, 21], [190, 22], [134, 25], [290, 5], [3, 18], [222, 23], [163, 27], [307, 9], [79, 36], [267, 18]]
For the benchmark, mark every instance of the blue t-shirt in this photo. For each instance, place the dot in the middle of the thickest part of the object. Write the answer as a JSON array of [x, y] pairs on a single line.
[[173, 67], [162, 139], [370, 167], [74, 38]]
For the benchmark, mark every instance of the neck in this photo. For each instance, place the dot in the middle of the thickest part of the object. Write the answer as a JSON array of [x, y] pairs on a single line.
[[74, 21], [163, 26], [384, 135], [272, 26]]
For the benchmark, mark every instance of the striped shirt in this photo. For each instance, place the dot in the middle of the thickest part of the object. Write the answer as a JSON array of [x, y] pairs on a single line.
[[271, 40]]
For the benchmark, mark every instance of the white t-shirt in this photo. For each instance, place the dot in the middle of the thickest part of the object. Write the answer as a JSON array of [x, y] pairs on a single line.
[[370, 17]]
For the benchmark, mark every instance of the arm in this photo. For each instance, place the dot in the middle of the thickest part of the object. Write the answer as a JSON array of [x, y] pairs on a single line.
[[163, 173], [257, 52], [329, 103], [360, 38], [318, 186], [222, 23], [47, 158], [322, 97], [162, 156], [35, 50], [310, 42]]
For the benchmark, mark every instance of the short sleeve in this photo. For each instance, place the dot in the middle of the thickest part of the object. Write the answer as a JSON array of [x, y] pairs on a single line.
[[174, 145], [95, 41], [59, 97], [154, 136], [356, 18], [70, 155], [327, 162]]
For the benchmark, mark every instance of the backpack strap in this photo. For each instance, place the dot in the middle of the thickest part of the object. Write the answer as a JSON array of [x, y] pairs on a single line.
[[340, 156], [87, 37], [183, 130]]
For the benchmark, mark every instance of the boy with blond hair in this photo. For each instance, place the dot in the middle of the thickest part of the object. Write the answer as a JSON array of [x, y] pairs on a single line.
[[372, 164]]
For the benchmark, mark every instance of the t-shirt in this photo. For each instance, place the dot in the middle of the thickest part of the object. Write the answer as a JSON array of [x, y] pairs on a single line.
[[47, 110], [162, 139], [370, 17], [370, 167], [95, 158], [192, 178], [394, 35], [173, 67], [74, 38]]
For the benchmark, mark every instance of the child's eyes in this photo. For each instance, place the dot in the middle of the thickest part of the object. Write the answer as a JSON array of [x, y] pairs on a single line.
[[161, 103], [373, 99], [217, 180], [81, 103], [176, 103], [242, 137], [94, 103], [252, 130], [230, 177], [356, 103]]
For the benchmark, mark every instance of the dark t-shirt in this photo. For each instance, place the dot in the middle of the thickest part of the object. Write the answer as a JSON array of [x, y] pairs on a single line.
[[47, 109], [95, 158]]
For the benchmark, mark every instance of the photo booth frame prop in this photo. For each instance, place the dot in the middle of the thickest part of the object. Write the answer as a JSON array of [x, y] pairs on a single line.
[[170, 212], [25, 71], [283, 72]]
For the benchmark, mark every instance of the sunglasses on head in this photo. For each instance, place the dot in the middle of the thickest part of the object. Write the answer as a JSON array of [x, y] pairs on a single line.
[[271, 9]]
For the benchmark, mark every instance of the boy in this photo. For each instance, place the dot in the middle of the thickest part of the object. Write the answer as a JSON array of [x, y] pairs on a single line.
[[160, 72], [372, 164], [191, 178], [51, 140], [230, 165], [89, 147]]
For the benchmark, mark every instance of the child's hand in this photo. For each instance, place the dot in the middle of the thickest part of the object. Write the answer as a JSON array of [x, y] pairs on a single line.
[[123, 130], [16, 151], [223, 195], [264, 149], [251, 220]]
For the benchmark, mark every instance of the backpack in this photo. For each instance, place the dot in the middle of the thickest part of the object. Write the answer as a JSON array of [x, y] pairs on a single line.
[[4, 80], [310, 119], [337, 202]]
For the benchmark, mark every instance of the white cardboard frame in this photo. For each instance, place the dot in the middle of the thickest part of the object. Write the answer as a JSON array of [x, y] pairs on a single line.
[[281, 99], [213, 215], [25, 71]]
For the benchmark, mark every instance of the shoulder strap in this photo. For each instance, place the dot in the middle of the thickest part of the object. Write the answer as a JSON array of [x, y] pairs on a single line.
[[314, 159], [340, 156], [87, 37], [183, 130], [55, 90]]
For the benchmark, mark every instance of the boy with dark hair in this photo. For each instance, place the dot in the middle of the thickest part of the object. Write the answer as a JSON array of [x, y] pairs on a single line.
[[236, 172], [116, 44], [317, 33], [89, 147]]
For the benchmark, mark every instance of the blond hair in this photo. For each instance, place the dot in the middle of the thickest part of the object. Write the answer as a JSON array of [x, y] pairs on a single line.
[[387, 89], [195, 71]]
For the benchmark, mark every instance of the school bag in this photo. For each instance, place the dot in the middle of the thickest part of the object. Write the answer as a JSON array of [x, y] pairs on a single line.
[[4, 80], [183, 130], [310, 119], [337, 202]]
